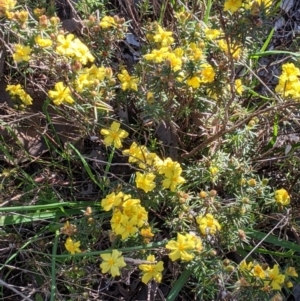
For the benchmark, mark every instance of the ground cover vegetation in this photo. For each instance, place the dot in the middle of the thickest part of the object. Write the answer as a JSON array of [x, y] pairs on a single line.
[[171, 175]]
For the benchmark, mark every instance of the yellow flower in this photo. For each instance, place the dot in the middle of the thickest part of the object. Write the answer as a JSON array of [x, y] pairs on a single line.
[[147, 234], [127, 82], [152, 271], [25, 98], [65, 45], [17, 90], [157, 55], [21, 16], [107, 22], [233, 49], [72, 246], [114, 135], [289, 284], [128, 227], [180, 247], [246, 267], [43, 42], [173, 180], [22, 53], [60, 94], [14, 89], [197, 241], [112, 263], [195, 53], [194, 82], [277, 279], [207, 73], [289, 84], [208, 224], [212, 34], [39, 11], [150, 97], [232, 5], [282, 197], [290, 271], [112, 200], [145, 181], [258, 271], [174, 61], [82, 52], [6, 5], [135, 153], [163, 37], [213, 170], [238, 86]]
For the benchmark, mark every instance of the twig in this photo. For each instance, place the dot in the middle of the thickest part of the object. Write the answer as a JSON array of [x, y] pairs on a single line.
[[3, 283], [226, 131]]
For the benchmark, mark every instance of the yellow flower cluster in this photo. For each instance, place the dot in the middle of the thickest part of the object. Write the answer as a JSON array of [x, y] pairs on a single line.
[[128, 214], [235, 5], [232, 49], [6, 6], [73, 48], [205, 75], [289, 83], [87, 78], [175, 58], [184, 245], [42, 42], [17, 90], [272, 278], [169, 168], [107, 22]]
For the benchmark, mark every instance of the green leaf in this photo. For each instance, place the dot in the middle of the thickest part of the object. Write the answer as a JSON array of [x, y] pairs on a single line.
[[180, 282], [272, 239]]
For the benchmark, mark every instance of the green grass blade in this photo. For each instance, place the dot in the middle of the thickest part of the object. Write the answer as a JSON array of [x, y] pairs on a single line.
[[15, 219], [86, 166], [53, 267], [272, 52], [180, 282], [287, 254], [45, 206], [207, 11], [272, 239], [150, 246], [267, 42]]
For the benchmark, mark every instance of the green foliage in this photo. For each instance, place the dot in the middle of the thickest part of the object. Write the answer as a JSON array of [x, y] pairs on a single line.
[[159, 165]]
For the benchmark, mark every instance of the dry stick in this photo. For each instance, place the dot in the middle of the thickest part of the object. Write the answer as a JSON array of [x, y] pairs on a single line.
[[223, 132], [3, 283]]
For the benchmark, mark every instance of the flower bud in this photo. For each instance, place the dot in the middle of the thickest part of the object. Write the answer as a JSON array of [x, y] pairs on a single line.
[[252, 182], [43, 21], [241, 234], [229, 268], [213, 193], [203, 194]]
